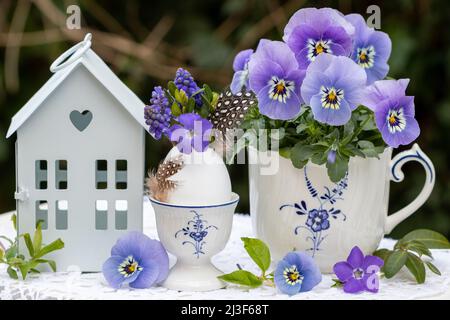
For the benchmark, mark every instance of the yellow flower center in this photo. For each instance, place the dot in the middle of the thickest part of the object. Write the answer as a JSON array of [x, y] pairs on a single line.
[[332, 96], [280, 87], [319, 49], [392, 119]]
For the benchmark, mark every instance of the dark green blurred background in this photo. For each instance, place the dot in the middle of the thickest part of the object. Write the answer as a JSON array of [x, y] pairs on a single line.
[[145, 41]]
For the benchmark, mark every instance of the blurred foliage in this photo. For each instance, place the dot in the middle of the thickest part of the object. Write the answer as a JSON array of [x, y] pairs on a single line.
[[204, 36]]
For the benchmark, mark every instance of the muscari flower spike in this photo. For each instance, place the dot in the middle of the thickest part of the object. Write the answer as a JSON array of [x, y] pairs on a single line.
[[371, 49], [275, 78], [136, 260], [394, 111], [192, 133], [184, 81], [333, 87], [297, 272], [311, 32], [240, 67], [359, 273], [158, 115]]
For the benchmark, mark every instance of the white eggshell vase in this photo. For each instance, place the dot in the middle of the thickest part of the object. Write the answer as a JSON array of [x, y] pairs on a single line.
[[194, 234]]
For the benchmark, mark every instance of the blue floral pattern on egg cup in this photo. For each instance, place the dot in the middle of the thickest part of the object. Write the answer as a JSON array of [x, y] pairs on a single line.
[[317, 220], [196, 231]]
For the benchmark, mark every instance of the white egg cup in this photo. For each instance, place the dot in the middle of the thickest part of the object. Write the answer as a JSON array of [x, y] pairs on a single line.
[[194, 234]]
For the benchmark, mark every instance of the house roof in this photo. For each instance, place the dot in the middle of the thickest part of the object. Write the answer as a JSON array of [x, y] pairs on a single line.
[[95, 65]]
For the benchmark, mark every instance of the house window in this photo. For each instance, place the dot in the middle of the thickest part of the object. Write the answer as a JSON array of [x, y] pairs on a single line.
[[101, 214], [121, 174], [121, 214], [41, 174], [61, 174], [61, 210], [101, 174], [42, 213]]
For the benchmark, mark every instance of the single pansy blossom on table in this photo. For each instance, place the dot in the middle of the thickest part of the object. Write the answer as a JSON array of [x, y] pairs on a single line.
[[297, 272], [371, 49], [275, 78], [191, 133], [359, 273], [136, 260], [311, 32], [333, 87], [240, 67], [394, 111]]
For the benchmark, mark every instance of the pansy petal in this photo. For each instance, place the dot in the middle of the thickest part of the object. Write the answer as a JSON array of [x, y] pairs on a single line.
[[356, 257], [312, 277], [280, 280], [343, 271], [377, 72], [354, 286], [261, 71], [111, 272], [241, 59], [147, 277], [240, 79], [334, 117], [277, 52], [276, 109], [312, 84]]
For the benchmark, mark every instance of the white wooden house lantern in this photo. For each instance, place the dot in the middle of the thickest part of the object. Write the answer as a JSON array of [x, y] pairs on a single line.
[[80, 159]]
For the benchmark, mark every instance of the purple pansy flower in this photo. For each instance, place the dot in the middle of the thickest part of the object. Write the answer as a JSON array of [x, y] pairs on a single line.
[[275, 78], [359, 272], [333, 87], [311, 32], [158, 115], [136, 260], [318, 220], [297, 272], [394, 111], [240, 67], [371, 49], [192, 132]]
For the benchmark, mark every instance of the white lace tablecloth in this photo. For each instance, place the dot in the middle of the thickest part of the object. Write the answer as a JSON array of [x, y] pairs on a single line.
[[76, 285]]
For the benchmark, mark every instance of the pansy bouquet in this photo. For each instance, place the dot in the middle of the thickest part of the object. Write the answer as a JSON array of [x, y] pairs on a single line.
[[325, 87]]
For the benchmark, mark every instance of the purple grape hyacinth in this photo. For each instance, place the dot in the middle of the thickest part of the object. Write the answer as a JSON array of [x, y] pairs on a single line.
[[158, 115], [359, 272], [297, 272], [311, 32], [193, 133], [240, 67], [184, 81], [136, 260], [276, 80], [394, 111], [371, 49], [332, 87]]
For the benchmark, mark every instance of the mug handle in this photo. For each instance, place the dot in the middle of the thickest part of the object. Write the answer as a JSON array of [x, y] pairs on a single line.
[[414, 154]]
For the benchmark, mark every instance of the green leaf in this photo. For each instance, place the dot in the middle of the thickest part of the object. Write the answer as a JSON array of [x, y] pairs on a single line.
[[383, 253], [285, 152], [418, 247], [24, 268], [394, 263], [2, 253], [7, 239], [175, 109], [258, 251], [55, 245], [338, 169], [433, 268], [51, 263], [416, 266], [365, 144], [11, 252], [181, 97], [430, 238], [300, 154], [243, 278], [172, 88], [190, 105], [28, 243], [12, 273], [208, 92], [37, 239], [14, 221]]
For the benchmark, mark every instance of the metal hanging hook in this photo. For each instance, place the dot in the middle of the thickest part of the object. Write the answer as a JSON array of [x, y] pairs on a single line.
[[73, 54]]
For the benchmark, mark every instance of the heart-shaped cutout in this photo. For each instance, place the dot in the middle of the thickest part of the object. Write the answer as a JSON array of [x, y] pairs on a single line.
[[81, 120]]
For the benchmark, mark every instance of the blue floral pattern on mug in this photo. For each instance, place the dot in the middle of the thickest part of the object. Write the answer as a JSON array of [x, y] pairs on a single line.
[[318, 218], [196, 231]]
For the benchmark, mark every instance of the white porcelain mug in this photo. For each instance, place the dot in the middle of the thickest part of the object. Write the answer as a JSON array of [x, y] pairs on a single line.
[[302, 209]]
